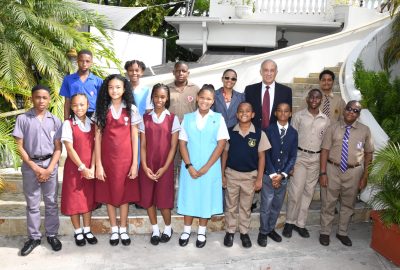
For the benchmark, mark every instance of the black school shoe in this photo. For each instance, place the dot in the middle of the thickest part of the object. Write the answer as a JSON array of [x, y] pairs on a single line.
[[201, 244], [114, 242], [287, 230], [303, 232], [165, 238], [155, 240], [92, 240], [79, 242], [262, 240], [54, 243], [30, 245], [228, 239], [275, 236], [184, 242], [246, 242], [125, 242]]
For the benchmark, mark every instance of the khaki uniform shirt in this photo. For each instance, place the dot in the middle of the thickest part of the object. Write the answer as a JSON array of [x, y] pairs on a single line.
[[311, 129], [360, 141], [336, 106], [183, 101], [264, 143]]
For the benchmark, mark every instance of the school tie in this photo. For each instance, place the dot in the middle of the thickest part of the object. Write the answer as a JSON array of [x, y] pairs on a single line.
[[265, 109], [283, 132], [345, 150], [326, 107]]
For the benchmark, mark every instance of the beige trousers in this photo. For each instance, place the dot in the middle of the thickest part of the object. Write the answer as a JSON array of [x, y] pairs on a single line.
[[301, 188], [239, 191], [342, 187]]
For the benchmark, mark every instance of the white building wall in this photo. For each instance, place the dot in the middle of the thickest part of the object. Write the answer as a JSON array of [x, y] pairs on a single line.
[[129, 46]]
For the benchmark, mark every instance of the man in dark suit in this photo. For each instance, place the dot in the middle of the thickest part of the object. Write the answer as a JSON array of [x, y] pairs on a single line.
[[266, 95]]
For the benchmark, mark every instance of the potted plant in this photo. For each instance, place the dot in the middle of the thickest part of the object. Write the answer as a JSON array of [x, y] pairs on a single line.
[[385, 176], [245, 10]]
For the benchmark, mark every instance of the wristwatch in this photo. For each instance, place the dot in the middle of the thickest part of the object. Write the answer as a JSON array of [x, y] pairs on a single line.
[[188, 165], [322, 173]]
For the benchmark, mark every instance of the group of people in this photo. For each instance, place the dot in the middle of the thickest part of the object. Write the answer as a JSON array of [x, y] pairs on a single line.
[[126, 143]]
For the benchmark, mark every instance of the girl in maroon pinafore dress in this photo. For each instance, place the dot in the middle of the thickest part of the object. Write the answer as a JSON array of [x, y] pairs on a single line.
[[77, 197], [158, 139], [116, 148]]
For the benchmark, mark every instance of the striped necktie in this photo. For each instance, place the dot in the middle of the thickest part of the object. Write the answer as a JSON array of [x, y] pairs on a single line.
[[283, 133], [326, 107], [345, 150]]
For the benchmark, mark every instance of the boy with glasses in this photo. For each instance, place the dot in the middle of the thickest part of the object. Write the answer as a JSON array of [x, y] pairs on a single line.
[[346, 152]]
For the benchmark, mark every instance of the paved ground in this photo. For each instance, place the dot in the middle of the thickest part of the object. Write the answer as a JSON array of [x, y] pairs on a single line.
[[294, 253]]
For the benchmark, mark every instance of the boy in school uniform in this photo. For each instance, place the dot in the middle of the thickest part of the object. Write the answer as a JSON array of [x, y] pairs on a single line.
[[346, 153], [311, 124], [83, 81], [242, 176], [39, 143], [280, 160]]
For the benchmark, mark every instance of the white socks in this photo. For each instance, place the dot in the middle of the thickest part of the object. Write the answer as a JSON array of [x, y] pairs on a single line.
[[123, 234], [87, 230], [156, 230], [114, 233], [202, 230], [78, 231], [186, 230], [168, 230]]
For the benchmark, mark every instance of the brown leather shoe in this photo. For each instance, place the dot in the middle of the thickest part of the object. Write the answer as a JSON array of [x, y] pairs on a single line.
[[344, 239], [324, 239]]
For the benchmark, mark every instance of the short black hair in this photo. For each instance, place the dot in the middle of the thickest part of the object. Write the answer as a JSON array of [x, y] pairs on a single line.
[[327, 71], [283, 103], [84, 51], [139, 63], [180, 63], [314, 90], [245, 102], [40, 87], [229, 70]]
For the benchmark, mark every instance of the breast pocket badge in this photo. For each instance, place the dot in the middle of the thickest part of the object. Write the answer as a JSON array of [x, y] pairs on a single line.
[[359, 145], [252, 142]]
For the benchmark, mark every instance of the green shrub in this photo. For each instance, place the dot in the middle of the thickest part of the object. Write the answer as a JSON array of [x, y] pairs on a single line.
[[381, 97]]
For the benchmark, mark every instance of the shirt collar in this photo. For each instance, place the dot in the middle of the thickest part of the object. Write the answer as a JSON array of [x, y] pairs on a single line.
[[344, 125], [210, 112], [152, 112], [76, 76], [252, 129], [78, 121], [328, 95], [285, 126], [31, 112], [272, 85]]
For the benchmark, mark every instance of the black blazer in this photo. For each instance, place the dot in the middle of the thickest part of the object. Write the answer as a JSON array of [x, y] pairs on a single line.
[[253, 96]]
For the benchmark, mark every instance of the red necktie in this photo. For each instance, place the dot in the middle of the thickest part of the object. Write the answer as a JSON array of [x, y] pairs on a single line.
[[265, 109]]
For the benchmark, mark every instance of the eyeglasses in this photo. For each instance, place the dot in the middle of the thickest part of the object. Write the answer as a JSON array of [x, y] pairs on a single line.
[[350, 109], [229, 78]]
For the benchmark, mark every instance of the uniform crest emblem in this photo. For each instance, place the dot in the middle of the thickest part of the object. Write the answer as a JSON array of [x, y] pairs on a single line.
[[252, 142], [190, 98]]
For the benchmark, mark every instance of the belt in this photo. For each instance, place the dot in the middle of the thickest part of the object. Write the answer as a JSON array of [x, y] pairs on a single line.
[[308, 151], [41, 158], [348, 165]]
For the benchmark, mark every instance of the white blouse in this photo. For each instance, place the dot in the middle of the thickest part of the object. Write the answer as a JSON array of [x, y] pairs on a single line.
[[158, 120], [135, 116], [67, 129], [201, 121]]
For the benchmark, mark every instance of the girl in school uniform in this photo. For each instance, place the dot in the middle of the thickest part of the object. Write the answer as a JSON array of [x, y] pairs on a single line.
[[201, 140], [77, 197], [141, 94], [116, 150], [159, 139]]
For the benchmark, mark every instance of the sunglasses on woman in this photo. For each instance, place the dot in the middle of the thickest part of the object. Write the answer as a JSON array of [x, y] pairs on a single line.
[[230, 79]]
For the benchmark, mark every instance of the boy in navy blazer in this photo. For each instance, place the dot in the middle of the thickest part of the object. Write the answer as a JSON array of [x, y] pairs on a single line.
[[280, 160]]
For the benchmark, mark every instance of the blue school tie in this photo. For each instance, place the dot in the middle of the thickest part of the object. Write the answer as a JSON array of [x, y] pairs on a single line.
[[345, 150]]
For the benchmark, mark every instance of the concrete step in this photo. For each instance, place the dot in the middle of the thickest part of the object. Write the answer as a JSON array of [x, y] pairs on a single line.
[[140, 224]]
